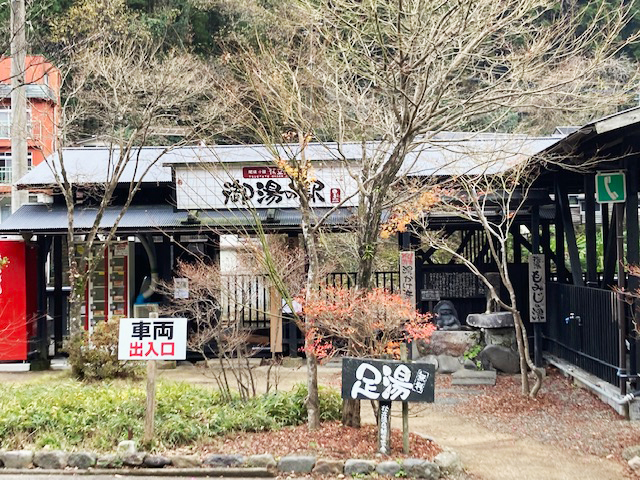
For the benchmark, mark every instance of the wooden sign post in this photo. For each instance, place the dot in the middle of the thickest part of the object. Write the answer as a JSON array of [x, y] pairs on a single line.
[[152, 339], [387, 381]]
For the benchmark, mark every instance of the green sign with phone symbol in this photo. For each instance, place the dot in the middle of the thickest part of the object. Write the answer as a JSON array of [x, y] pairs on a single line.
[[611, 187]]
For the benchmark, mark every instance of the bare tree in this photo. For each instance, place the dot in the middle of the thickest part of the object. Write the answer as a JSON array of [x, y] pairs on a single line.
[[402, 71]]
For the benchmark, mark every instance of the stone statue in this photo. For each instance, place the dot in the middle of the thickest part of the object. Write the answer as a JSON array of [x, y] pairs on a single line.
[[446, 316]]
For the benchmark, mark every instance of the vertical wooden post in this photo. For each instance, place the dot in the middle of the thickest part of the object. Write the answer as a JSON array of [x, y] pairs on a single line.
[[622, 320], [150, 409], [535, 249], [275, 320]]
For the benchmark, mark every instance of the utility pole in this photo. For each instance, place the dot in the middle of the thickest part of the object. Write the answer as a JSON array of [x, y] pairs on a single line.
[[18, 102]]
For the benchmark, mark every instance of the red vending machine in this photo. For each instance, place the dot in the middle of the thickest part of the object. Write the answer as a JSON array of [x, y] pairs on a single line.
[[18, 298]]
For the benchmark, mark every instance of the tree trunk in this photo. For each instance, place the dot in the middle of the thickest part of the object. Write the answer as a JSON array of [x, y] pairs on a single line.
[[351, 413], [313, 404], [76, 302]]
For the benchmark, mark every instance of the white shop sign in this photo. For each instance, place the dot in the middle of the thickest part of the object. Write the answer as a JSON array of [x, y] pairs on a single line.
[[260, 186]]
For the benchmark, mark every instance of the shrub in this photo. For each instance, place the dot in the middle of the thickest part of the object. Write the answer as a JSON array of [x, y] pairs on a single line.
[[72, 415], [95, 356]]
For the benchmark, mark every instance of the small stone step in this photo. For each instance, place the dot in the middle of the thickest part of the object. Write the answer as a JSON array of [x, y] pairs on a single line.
[[471, 377]]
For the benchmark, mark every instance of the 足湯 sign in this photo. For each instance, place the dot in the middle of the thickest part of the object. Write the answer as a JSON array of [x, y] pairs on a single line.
[[152, 339], [387, 380]]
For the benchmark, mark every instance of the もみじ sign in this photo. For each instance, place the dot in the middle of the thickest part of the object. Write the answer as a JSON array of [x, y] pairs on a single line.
[[387, 380], [152, 339]]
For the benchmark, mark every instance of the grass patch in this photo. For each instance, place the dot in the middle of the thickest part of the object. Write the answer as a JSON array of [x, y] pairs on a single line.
[[72, 415]]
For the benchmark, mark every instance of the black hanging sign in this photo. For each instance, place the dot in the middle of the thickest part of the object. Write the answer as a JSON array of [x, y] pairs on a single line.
[[387, 380]]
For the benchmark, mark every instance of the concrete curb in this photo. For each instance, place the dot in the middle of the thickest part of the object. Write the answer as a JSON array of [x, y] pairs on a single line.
[[139, 472]]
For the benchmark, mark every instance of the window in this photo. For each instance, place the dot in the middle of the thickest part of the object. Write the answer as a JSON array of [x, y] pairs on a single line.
[[5, 166], [5, 121]]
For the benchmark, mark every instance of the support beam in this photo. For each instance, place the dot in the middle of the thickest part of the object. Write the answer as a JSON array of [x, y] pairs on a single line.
[[570, 234], [517, 244], [546, 246], [559, 253], [44, 244], [467, 236], [633, 250], [590, 230], [610, 253], [57, 294]]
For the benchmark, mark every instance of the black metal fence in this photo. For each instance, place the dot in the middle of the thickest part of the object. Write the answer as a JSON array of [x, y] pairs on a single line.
[[388, 280], [582, 328]]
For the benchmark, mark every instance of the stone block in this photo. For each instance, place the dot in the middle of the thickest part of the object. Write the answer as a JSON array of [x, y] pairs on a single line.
[[156, 461], [134, 459], [220, 460], [505, 337], [17, 458], [490, 320], [51, 459], [82, 460], [355, 466], [418, 468], [327, 466], [185, 461], [108, 461], [265, 460], [471, 377], [125, 448], [449, 342], [501, 358], [630, 452], [449, 364], [389, 468], [297, 464], [634, 464], [449, 463]]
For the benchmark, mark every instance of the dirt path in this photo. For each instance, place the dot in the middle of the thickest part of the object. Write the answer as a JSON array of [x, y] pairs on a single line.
[[486, 455], [492, 456]]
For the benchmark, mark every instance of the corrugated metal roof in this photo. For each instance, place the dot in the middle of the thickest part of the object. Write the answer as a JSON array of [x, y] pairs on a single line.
[[40, 218], [448, 153], [96, 165]]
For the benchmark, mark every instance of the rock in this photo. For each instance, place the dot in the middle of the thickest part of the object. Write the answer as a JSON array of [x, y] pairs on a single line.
[[630, 452], [326, 466], [501, 358], [430, 359], [82, 460], [449, 462], [265, 460], [186, 461], [389, 468], [505, 337], [448, 364], [1, 462], [448, 342], [474, 377], [17, 458], [418, 468], [156, 461], [108, 461], [297, 464], [355, 466], [490, 320], [469, 364], [51, 459], [634, 464], [125, 448], [134, 459], [219, 460]]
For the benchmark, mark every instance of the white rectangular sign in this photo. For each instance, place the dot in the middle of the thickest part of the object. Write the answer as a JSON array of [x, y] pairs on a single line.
[[537, 289], [152, 339], [260, 186]]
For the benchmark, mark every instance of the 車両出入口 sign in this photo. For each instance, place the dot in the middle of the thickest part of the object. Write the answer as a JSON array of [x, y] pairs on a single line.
[[152, 339], [387, 380]]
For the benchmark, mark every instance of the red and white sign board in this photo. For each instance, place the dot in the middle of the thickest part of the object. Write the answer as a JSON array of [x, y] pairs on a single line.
[[152, 339]]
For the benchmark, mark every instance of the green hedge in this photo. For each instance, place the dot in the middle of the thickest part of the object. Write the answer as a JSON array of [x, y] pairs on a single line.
[[73, 415]]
